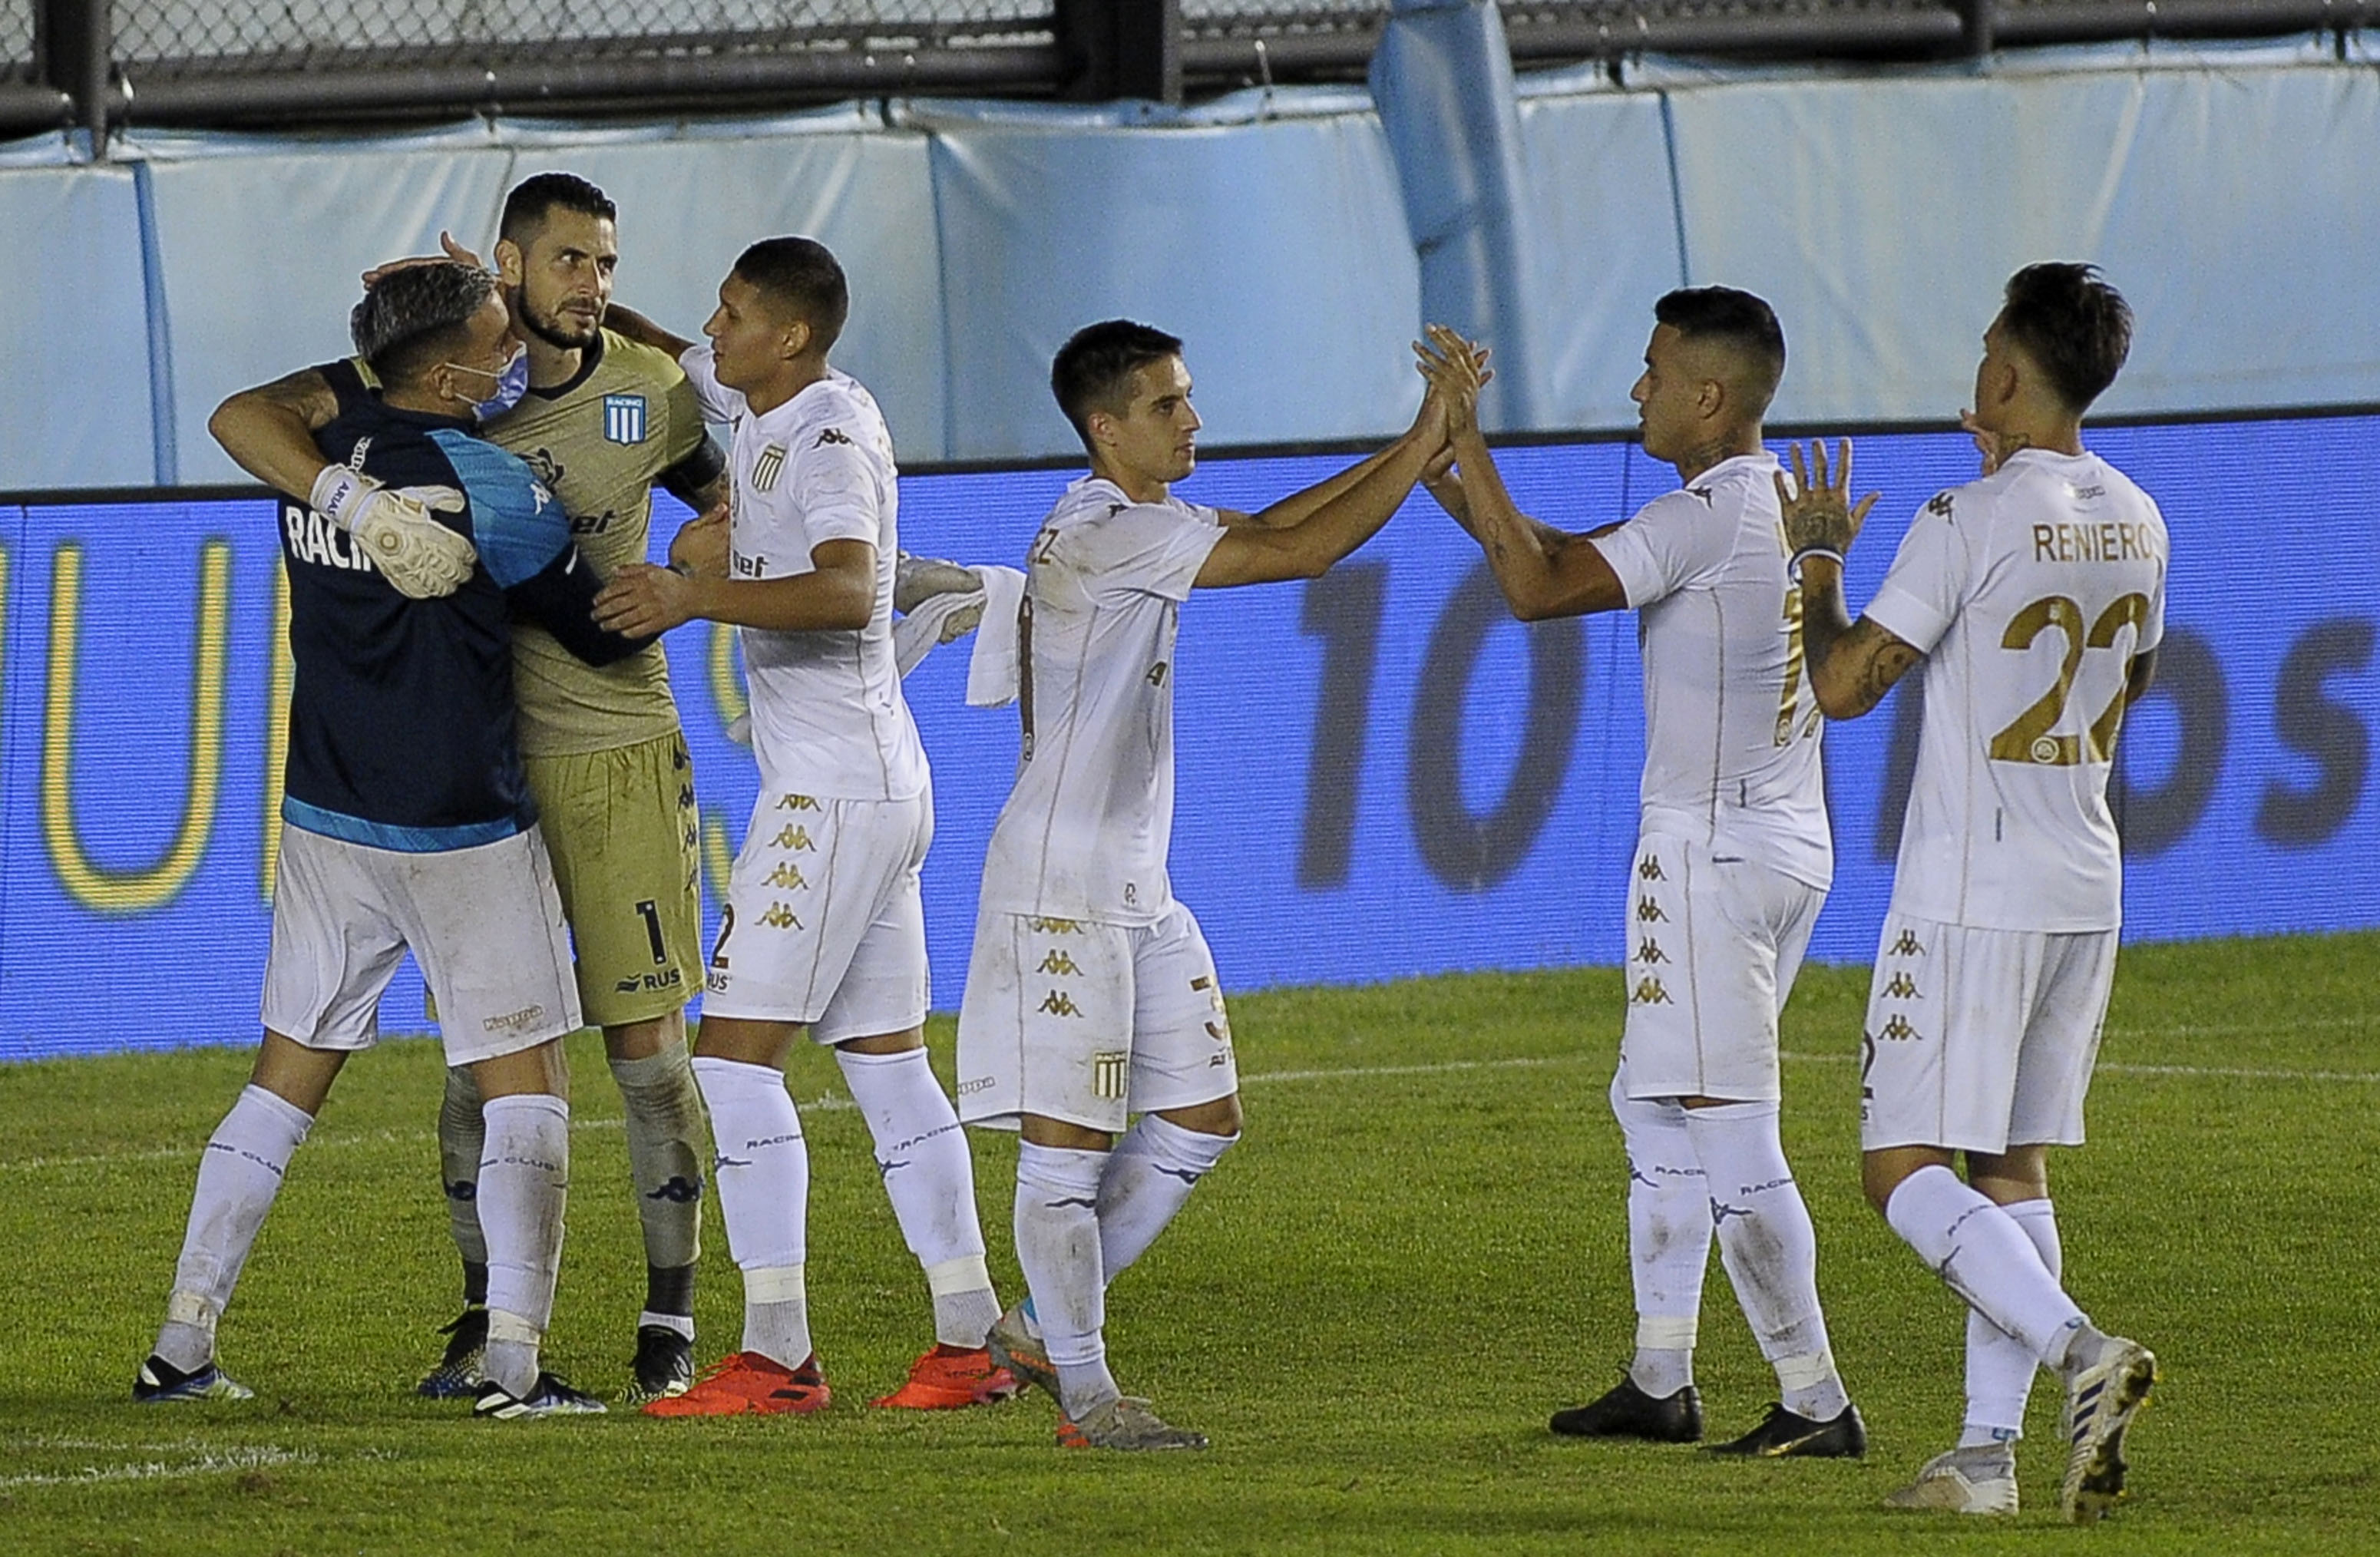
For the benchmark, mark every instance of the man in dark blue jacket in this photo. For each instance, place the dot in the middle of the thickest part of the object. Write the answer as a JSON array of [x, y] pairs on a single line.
[[407, 822]]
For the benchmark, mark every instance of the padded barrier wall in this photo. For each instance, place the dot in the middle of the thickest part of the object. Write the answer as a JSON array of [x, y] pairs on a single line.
[[2227, 190], [1381, 774]]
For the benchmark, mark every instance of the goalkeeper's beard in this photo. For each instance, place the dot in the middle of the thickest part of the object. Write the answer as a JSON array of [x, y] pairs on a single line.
[[550, 330]]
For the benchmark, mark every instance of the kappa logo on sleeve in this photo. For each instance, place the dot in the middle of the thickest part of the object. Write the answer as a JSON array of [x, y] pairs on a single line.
[[833, 435]]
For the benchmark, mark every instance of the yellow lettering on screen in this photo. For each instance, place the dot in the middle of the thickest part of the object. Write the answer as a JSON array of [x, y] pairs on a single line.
[[95, 886], [279, 690], [726, 686]]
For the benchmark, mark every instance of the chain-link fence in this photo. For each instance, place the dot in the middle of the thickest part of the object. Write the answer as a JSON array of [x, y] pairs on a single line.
[[16, 62], [165, 35], [296, 61]]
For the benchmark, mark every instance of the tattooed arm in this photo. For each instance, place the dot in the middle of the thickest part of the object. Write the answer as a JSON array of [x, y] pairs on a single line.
[[1852, 665]]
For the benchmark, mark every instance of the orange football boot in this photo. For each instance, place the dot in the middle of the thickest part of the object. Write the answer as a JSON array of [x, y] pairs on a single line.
[[748, 1383], [948, 1378]]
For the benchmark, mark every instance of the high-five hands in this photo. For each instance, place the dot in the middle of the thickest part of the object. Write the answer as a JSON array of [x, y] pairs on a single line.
[[1818, 514]]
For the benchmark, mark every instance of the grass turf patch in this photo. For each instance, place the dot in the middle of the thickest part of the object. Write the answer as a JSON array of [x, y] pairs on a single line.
[[1416, 1255]]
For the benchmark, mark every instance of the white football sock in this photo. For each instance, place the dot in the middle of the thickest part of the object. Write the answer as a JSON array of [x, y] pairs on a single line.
[[664, 1130], [239, 1174], [1149, 1178], [462, 1142], [921, 1152], [1999, 1369], [524, 1190], [763, 1174], [1983, 1256], [1770, 1250], [1668, 1238], [1058, 1244]]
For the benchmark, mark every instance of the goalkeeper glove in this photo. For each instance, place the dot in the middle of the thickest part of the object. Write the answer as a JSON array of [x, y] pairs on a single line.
[[420, 558]]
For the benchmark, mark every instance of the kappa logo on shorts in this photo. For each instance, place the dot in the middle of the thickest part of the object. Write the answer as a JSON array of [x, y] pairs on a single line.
[[513, 1021], [1899, 1029], [1650, 912], [798, 803], [787, 874], [1060, 963], [1649, 869], [793, 837], [1901, 987], [1906, 946], [768, 468], [780, 917], [1109, 1072], [1648, 992], [1649, 951], [1039, 926], [978, 1084], [1060, 1003]]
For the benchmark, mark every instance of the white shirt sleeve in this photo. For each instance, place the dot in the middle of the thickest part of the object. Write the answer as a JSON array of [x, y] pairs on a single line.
[[1928, 580], [1671, 542], [1148, 548], [720, 405], [834, 482]]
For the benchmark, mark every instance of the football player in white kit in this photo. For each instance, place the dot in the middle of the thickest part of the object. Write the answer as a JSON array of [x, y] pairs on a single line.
[[824, 925], [1733, 858], [2035, 599], [1091, 995]]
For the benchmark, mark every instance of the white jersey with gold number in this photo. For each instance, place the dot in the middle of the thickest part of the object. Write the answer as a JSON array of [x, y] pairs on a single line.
[[1730, 725], [828, 717], [2029, 593], [1085, 831]]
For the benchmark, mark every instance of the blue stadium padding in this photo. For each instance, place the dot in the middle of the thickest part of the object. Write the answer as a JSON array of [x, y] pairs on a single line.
[[1442, 76], [74, 394], [1380, 774]]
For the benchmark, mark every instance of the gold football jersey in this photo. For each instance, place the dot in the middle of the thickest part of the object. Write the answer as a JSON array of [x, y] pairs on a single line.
[[598, 442]]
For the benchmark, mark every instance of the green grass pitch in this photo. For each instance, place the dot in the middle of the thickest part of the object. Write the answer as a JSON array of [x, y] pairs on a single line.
[[1414, 1256]]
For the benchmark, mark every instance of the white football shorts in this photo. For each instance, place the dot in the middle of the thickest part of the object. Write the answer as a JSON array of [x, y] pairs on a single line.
[[825, 921], [484, 924], [1980, 1039], [1714, 944], [1090, 1023]]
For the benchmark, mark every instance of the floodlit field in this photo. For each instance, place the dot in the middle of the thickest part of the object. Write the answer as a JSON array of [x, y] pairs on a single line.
[[1371, 1308]]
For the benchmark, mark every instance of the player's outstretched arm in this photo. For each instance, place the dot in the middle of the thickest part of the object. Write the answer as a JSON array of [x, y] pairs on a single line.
[[643, 330], [1359, 500], [1852, 666], [837, 594], [269, 431]]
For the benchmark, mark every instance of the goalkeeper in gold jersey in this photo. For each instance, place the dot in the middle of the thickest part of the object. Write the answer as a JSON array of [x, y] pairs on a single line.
[[601, 420]]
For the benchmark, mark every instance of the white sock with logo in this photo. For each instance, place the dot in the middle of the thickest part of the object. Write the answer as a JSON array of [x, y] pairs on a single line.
[[1149, 1179], [239, 1175], [1770, 1250], [523, 1190], [1983, 1254], [2000, 1366], [763, 1174], [921, 1150], [1058, 1244], [1668, 1239]]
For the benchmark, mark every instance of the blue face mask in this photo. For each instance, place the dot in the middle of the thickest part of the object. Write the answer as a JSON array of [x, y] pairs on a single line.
[[510, 383]]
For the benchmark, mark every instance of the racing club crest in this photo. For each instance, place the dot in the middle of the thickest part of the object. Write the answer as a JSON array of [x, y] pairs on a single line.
[[623, 419]]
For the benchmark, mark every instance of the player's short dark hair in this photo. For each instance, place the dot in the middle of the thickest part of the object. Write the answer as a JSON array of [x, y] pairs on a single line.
[[799, 275], [1744, 323], [2075, 327], [539, 195], [1093, 370], [416, 317]]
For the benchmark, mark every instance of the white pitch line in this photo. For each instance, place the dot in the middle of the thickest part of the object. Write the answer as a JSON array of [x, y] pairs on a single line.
[[833, 1104], [211, 1464]]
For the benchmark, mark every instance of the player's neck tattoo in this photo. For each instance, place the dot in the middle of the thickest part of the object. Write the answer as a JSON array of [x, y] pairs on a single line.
[[1701, 457]]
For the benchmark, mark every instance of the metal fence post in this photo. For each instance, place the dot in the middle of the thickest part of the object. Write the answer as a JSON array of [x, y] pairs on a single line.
[[1121, 48], [1976, 19], [75, 42]]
